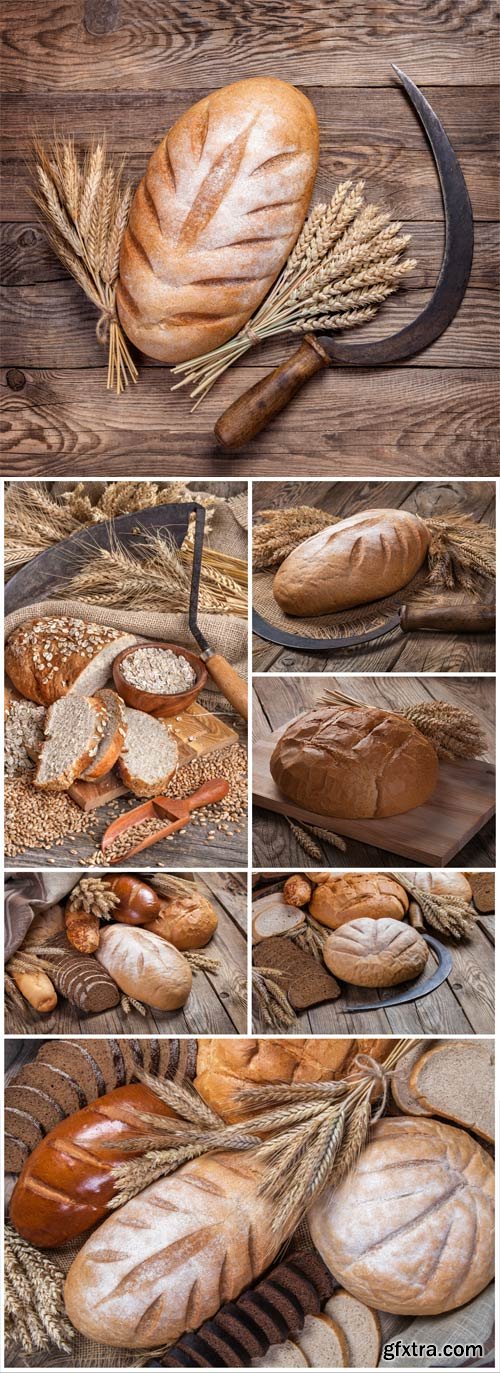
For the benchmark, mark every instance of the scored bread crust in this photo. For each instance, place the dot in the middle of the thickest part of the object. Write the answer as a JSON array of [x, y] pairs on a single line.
[[45, 656], [215, 216], [109, 750], [357, 895], [375, 953], [224, 1066], [358, 560], [80, 762], [354, 762]]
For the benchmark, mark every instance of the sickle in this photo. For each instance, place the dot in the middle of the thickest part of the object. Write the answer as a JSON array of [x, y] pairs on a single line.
[[253, 410], [443, 970]]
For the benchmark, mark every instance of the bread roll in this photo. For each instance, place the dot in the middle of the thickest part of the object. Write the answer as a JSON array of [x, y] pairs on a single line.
[[375, 953], [215, 216], [360, 559], [441, 883], [145, 967], [188, 922], [354, 763], [411, 1229], [48, 657], [37, 990], [224, 1066], [297, 890], [357, 895], [139, 903], [169, 1258]]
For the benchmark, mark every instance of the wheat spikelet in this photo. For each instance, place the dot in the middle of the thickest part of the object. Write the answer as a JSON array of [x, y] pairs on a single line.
[[455, 732], [33, 1294], [283, 530]]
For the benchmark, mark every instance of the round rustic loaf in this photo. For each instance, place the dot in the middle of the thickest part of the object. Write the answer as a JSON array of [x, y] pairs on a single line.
[[337, 899], [215, 216], [354, 762], [411, 1229], [47, 657], [224, 1066], [375, 953], [188, 922], [441, 883], [360, 559], [145, 967]]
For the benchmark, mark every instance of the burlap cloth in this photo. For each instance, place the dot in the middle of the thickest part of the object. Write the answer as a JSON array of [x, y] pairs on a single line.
[[343, 622]]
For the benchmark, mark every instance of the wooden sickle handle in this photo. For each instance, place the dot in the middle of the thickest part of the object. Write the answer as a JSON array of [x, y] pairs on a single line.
[[454, 619], [248, 415], [229, 682]]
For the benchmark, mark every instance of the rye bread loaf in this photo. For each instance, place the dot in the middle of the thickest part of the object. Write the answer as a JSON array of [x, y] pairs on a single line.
[[361, 1327], [145, 967], [375, 953], [360, 559], [224, 1066], [356, 896], [215, 216], [171, 1256], [456, 1079], [73, 729], [48, 657], [113, 739], [411, 1230], [150, 754], [354, 762]]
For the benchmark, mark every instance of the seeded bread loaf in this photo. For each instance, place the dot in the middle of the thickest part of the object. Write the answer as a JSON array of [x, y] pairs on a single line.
[[187, 922], [357, 895], [145, 967], [113, 739], [354, 762], [149, 756], [215, 216], [358, 560], [375, 953], [226, 1065], [48, 657], [73, 729]]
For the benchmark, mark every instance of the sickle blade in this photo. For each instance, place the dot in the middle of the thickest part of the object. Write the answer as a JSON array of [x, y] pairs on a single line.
[[443, 970], [455, 266], [273, 635]]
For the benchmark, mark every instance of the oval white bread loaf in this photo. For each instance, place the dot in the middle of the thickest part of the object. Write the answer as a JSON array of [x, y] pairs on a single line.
[[145, 967], [355, 896], [375, 953], [411, 1229], [168, 1259], [444, 883], [48, 657], [354, 762], [215, 216], [358, 560]]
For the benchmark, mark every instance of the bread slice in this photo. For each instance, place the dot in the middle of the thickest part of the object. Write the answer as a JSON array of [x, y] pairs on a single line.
[[361, 1327], [400, 1082], [113, 739], [287, 1355], [150, 756], [323, 1342], [74, 726], [275, 916], [98, 671], [456, 1080]]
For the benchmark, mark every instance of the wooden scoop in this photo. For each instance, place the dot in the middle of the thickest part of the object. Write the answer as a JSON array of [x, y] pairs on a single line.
[[177, 814]]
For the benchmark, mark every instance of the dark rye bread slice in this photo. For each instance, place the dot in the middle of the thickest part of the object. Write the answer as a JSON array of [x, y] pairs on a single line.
[[23, 1126], [35, 1102], [303, 979], [58, 1082], [15, 1153], [67, 1054], [84, 982]]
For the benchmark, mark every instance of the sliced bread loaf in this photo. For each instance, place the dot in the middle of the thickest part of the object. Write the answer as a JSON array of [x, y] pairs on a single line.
[[74, 726], [323, 1342], [46, 658], [287, 1355], [361, 1327], [149, 757], [456, 1080], [275, 916], [113, 738]]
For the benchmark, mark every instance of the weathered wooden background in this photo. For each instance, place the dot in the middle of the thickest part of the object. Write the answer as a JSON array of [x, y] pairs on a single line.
[[128, 69]]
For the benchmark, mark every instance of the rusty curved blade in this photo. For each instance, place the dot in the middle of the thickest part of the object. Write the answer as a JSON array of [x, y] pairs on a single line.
[[443, 970], [272, 634], [455, 267]]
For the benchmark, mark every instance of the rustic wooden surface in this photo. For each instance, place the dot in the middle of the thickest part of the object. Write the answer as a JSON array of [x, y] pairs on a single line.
[[212, 1006], [130, 70], [424, 652], [463, 1004], [276, 700]]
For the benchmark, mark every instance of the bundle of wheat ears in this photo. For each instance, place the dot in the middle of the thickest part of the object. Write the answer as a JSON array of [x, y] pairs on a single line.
[[454, 731], [35, 1317], [447, 914]]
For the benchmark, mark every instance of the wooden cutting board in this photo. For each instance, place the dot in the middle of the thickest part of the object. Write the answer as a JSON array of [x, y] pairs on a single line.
[[198, 733], [432, 834]]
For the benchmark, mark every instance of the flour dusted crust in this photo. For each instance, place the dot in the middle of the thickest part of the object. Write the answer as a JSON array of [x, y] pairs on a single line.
[[166, 1261], [46, 657], [224, 1066], [375, 953], [358, 560], [355, 895], [187, 922], [354, 762], [411, 1229], [442, 883], [215, 216], [145, 967]]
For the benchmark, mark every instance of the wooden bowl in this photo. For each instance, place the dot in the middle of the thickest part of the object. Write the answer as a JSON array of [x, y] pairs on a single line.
[[152, 702]]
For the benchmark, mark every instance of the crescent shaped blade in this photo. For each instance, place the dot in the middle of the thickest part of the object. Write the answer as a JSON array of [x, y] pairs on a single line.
[[443, 970]]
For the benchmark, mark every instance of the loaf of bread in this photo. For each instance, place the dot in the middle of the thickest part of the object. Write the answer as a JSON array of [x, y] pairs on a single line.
[[215, 216], [375, 953], [171, 1256], [226, 1065], [411, 1229], [357, 895], [441, 882], [354, 762], [139, 903], [145, 967], [48, 657], [187, 922], [66, 1183], [358, 560]]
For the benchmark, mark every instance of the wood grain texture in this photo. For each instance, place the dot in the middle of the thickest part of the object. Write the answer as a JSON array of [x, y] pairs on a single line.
[[424, 652], [130, 71]]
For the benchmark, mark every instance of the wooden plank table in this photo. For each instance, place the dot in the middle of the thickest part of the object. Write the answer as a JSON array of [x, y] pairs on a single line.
[[130, 71], [416, 652], [463, 1004], [213, 1006], [277, 700]]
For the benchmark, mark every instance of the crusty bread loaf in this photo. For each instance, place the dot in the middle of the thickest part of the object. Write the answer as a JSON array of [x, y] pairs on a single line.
[[411, 1229], [171, 1256], [150, 754], [113, 739], [375, 953], [215, 216], [73, 729], [145, 967], [66, 1184], [354, 762], [48, 657], [187, 922], [444, 882], [361, 1327], [226, 1065], [355, 896], [456, 1079], [360, 559]]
